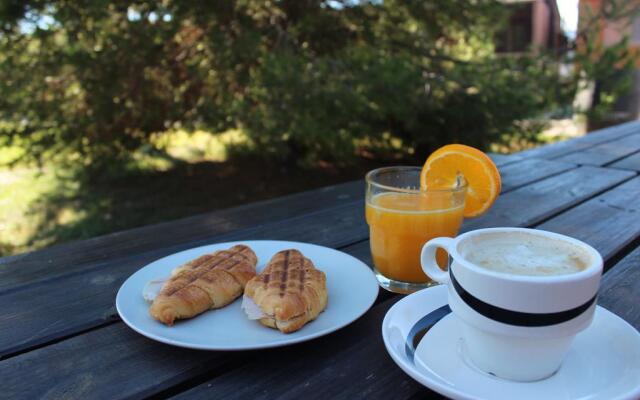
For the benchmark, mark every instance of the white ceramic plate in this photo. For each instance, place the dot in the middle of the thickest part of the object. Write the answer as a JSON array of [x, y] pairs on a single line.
[[351, 285], [603, 362]]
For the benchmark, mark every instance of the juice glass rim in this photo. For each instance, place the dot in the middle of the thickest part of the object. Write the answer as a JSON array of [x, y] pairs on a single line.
[[462, 183]]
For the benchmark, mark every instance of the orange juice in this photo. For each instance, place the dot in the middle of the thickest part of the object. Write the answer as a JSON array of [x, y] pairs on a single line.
[[401, 223]]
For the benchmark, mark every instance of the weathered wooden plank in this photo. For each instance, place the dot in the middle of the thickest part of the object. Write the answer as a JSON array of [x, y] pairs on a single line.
[[530, 170], [538, 201], [620, 288], [116, 348], [90, 303], [176, 235], [559, 149], [67, 258], [114, 362], [608, 222], [352, 359], [109, 363], [503, 159], [589, 140], [76, 302], [360, 371], [84, 255], [77, 256], [605, 153], [632, 162], [365, 370]]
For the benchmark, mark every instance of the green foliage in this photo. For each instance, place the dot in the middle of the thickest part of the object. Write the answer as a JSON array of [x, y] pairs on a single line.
[[608, 67], [90, 81], [116, 93]]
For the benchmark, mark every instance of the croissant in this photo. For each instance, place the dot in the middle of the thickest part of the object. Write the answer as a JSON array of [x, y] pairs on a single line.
[[290, 291], [210, 281]]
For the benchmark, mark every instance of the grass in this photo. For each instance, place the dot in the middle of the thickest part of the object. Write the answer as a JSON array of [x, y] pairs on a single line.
[[21, 189], [41, 207]]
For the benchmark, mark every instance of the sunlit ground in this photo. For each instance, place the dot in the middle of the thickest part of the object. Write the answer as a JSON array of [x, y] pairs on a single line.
[[24, 217], [41, 207], [21, 187]]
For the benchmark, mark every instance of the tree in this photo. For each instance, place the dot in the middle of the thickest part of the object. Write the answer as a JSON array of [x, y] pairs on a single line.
[[306, 80]]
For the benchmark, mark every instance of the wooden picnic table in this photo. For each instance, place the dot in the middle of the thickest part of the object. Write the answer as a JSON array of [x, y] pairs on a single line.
[[60, 336]]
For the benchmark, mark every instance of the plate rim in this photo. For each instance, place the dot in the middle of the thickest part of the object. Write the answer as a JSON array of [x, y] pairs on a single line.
[[450, 391], [285, 342]]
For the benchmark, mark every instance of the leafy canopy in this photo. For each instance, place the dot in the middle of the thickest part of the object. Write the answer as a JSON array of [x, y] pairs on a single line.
[[306, 80]]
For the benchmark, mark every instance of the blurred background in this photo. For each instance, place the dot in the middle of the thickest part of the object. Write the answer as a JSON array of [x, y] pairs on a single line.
[[118, 114]]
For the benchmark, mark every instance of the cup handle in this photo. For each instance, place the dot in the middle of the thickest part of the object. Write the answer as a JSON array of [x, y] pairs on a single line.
[[429, 262]]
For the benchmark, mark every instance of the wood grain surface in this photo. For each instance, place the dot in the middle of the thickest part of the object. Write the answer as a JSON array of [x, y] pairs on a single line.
[[620, 289], [582, 143], [77, 256], [608, 222], [504, 159], [631, 162], [523, 172], [540, 200], [80, 301], [60, 336], [605, 153]]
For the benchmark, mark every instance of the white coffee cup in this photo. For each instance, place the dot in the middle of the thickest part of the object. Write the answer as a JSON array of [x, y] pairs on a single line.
[[516, 327]]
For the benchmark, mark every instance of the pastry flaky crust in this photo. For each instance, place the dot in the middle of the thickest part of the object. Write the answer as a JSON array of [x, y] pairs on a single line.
[[210, 281], [290, 291]]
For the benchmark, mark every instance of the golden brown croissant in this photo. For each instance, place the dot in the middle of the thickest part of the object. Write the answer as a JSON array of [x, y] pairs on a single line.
[[210, 281], [290, 291]]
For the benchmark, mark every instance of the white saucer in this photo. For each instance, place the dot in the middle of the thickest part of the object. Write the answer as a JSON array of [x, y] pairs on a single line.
[[603, 362], [351, 285]]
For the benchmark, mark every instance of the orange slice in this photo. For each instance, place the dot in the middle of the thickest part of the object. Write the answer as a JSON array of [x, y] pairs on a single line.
[[483, 179]]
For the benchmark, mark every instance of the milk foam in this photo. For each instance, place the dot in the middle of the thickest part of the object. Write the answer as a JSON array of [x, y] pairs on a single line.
[[525, 254]]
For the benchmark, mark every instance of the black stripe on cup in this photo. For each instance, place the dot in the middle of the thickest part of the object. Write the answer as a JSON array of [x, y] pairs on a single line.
[[516, 317]]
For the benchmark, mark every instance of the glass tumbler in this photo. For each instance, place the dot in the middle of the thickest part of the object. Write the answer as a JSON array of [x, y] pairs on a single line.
[[402, 218]]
